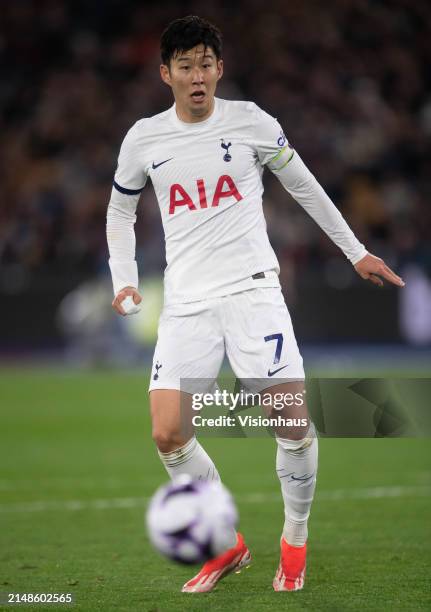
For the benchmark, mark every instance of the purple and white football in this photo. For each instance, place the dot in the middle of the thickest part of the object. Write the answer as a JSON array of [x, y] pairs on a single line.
[[191, 521]]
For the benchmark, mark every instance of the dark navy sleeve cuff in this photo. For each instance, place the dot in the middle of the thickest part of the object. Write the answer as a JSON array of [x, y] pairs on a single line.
[[127, 191]]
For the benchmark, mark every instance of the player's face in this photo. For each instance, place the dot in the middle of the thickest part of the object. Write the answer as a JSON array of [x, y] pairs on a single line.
[[193, 76]]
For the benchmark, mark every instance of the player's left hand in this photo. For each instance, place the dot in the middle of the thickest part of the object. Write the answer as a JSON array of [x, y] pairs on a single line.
[[374, 269]]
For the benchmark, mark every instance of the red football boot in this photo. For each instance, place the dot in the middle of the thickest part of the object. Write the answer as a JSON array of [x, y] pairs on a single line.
[[233, 560], [290, 574]]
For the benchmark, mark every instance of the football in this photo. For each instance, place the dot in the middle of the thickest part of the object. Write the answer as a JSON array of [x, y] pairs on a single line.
[[191, 521]]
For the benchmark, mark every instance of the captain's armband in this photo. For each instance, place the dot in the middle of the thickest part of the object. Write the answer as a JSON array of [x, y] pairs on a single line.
[[282, 158]]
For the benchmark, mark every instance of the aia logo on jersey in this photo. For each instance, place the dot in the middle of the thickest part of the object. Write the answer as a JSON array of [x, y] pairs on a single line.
[[225, 188]]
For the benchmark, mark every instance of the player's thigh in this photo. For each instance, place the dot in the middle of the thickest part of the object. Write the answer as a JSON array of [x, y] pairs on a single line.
[[187, 359], [286, 405], [171, 416], [190, 348], [260, 341]]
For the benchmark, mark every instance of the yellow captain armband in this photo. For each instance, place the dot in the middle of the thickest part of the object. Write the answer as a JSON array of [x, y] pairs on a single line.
[[282, 158]]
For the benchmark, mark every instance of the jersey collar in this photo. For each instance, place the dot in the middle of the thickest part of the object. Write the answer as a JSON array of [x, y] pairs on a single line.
[[199, 125]]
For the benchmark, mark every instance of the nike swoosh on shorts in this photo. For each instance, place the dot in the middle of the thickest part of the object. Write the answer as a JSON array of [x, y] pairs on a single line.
[[275, 371]]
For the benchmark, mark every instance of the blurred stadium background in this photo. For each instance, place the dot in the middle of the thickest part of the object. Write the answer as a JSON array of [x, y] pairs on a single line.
[[349, 80]]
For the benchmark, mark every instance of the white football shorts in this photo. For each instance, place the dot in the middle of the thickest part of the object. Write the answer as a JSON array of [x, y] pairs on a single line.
[[252, 327]]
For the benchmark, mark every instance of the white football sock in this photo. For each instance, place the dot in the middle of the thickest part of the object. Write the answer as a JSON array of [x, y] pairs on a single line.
[[296, 468], [193, 460], [190, 459]]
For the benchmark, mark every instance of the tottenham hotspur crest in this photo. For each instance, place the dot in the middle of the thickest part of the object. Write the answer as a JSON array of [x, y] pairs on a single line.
[[227, 156], [157, 367]]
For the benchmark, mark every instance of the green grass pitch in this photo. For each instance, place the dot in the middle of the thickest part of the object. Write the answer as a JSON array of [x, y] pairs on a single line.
[[78, 463]]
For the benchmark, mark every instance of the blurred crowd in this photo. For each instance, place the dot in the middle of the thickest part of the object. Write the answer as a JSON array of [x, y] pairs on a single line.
[[349, 80]]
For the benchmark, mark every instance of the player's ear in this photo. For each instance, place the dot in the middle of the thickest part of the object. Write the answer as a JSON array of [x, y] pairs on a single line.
[[165, 74], [219, 69]]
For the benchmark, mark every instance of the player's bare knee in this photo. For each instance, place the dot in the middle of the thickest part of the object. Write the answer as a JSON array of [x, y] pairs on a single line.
[[167, 440], [297, 443], [162, 439]]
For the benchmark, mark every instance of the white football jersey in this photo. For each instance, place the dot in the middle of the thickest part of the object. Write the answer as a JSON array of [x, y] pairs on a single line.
[[207, 177]]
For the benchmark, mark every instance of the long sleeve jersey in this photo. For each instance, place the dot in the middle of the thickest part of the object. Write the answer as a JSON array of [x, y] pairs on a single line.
[[207, 177]]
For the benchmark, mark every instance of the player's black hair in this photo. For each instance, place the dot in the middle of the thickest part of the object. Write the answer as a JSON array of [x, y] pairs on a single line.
[[185, 33]]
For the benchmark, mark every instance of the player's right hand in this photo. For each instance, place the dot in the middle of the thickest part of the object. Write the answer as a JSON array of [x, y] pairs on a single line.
[[121, 295]]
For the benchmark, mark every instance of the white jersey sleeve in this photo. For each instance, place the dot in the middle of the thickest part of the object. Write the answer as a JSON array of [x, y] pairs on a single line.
[[276, 153], [129, 181]]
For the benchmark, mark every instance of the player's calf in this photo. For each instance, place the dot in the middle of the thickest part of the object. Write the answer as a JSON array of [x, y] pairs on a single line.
[[296, 470]]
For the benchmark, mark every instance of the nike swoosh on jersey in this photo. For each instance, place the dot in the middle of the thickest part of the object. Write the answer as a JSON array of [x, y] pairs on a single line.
[[161, 163], [278, 370]]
